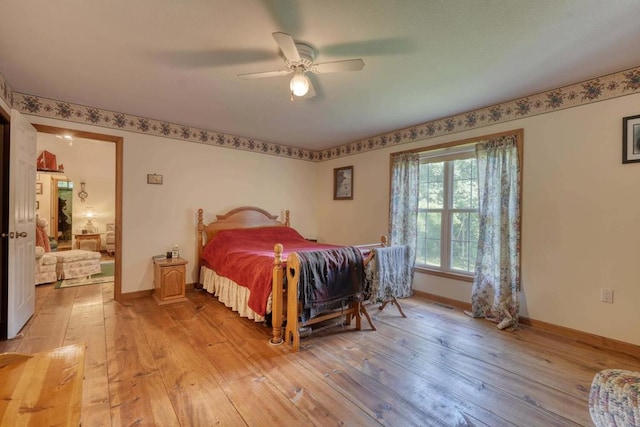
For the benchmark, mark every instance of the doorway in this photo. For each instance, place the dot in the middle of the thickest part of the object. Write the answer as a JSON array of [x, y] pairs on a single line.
[[117, 214]]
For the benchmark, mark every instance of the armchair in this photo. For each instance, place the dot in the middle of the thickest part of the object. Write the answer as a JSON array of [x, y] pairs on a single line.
[[45, 271], [45, 267]]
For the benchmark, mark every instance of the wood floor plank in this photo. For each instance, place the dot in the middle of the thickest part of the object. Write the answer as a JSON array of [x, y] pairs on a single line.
[[321, 403], [469, 394], [318, 400], [136, 389], [413, 353], [224, 353], [50, 323], [196, 396], [249, 393], [42, 294], [86, 325], [505, 352], [383, 404]]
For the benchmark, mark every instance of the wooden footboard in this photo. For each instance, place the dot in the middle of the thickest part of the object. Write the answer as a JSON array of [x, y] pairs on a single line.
[[294, 322]]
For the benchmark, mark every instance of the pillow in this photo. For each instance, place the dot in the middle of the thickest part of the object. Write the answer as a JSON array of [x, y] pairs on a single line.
[[42, 239]]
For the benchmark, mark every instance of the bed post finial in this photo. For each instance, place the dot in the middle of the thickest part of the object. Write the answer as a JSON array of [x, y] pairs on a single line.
[[286, 217], [383, 241], [277, 249]]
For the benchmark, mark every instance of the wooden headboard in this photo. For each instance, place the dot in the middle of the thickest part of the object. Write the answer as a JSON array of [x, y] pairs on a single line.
[[243, 217]]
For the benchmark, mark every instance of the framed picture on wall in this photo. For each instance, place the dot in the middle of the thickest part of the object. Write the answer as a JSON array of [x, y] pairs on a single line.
[[343, 183], [38, 188], [631, 139], [154, 178]]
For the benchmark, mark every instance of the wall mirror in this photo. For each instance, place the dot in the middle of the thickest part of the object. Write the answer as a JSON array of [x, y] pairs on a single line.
[[61, 211]]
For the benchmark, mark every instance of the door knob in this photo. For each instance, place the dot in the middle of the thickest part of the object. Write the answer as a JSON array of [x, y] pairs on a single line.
[[9, 235], [21, 234]]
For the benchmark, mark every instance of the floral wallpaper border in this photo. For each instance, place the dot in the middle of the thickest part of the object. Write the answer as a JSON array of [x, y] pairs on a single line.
[[5, 91], [44, 107], [599, 89]]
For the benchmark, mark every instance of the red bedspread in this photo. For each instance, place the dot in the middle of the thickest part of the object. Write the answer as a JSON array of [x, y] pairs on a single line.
[[246, 257]]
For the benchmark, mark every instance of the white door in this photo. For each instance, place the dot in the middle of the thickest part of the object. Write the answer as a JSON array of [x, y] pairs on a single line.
[[22, 223]]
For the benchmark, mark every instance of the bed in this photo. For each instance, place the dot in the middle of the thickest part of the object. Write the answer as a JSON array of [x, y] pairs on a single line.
[[242, 259], [263, 257]]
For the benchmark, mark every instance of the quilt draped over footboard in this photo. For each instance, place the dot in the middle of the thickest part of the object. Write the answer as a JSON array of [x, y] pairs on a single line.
[[390, 274], [329, 279]]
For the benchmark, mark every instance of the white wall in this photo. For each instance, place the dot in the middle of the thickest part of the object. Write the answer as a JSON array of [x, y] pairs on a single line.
[[85, 160], [580, 213], [155, 217]]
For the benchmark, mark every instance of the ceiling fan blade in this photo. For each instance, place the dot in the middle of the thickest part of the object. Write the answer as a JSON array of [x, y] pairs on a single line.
[[287, 46], [337, 66], [251, 76]]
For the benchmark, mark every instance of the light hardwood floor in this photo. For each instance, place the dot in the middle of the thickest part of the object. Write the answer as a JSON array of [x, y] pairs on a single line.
[[198, 363]]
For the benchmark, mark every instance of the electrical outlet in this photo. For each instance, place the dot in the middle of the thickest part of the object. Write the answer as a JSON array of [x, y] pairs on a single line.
[[606, 295]]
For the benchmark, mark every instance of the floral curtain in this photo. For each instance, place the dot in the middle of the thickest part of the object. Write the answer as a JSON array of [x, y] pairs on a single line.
[[497, 277], [403, 212]]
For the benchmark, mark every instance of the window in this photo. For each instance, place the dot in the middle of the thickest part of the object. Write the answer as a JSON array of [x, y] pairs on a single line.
[[434, 208], [448, 224]]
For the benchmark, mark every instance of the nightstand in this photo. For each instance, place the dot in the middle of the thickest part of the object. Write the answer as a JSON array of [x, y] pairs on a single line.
[[169, 277], [95, 237]]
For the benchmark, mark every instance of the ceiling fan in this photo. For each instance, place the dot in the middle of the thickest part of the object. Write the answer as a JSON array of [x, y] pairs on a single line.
[[299, 60]]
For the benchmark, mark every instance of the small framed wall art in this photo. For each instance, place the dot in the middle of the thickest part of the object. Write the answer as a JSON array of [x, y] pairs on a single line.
[[343, 183], [631, 139], [153, 178]]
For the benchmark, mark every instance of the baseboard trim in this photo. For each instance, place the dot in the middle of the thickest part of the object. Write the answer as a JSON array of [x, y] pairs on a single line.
[[443, 300], [138, 294], [586, 338], [148, 292]]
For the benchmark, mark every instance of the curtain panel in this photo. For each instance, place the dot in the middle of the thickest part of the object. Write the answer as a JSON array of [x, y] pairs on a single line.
[[497, 277], [403, 212]]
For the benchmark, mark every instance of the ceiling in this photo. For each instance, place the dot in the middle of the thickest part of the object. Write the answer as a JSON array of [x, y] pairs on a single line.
[[177, 61]]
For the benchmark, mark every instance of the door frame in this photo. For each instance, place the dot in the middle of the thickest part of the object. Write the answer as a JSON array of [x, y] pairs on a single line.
[[119, 141], [5, 120]]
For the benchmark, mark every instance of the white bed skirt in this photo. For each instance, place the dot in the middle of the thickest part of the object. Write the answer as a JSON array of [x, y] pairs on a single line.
[[230, 293]]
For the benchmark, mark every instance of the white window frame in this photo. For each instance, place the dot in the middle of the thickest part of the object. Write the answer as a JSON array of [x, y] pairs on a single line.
[[459, 152]]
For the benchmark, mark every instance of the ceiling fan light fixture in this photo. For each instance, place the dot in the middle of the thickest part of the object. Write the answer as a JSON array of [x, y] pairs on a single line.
[[299, 83]]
